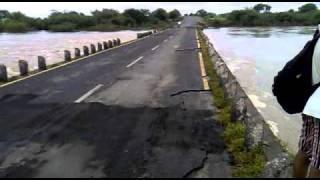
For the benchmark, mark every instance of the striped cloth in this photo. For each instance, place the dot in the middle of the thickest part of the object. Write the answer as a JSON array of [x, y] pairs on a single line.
[[309, 142]]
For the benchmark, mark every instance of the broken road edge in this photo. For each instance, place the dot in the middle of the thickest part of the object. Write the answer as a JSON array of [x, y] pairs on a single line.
[[255, 150]]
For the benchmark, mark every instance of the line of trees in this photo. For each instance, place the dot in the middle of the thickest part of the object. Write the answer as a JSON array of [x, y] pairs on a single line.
[[261, 15], [100, 20]]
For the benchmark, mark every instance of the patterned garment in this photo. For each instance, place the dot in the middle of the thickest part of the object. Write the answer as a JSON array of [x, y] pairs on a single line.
[[309, 142]]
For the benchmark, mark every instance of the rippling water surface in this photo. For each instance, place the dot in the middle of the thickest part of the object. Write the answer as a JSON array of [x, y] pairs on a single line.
[[255, 55], [27, 46]]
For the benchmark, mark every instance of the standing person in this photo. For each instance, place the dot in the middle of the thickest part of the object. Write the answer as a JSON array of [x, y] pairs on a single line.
[[308, 156]]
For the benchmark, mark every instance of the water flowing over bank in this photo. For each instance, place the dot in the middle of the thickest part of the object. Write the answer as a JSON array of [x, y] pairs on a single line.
[[27, 46], [255, 55]]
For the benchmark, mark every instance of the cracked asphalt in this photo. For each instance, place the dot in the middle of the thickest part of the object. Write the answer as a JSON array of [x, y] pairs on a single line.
[[136, 111]]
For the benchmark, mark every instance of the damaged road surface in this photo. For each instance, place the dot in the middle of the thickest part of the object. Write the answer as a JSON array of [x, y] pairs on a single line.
[[138, 123], [95, 140]]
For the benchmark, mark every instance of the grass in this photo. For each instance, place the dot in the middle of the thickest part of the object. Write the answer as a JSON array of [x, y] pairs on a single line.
[[247, 163]]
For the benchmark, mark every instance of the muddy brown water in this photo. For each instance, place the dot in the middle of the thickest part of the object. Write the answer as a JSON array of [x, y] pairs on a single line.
[[51, 45], [255, 55]]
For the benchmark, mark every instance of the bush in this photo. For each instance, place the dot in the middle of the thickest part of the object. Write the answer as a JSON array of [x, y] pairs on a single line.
[[103, 27], [217, 21], [316, 18], [234, 137], [260, 15], [15, 26], [64, 27], [1, 26]]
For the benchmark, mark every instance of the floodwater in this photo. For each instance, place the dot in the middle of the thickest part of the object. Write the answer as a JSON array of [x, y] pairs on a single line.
[[51, 45], [255, 55]]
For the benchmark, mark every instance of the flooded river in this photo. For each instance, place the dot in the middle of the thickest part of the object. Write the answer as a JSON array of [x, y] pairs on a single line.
[[255, 55], [27, 46]]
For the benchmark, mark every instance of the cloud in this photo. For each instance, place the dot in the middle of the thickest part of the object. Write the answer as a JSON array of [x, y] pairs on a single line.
[[43, 9]]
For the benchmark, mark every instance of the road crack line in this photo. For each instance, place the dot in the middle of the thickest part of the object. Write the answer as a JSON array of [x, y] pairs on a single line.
[[190, 90], [204, 160]]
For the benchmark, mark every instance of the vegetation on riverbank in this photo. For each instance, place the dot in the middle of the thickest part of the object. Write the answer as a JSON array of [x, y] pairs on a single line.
[[247, 163], [261, 15], [104, 20]]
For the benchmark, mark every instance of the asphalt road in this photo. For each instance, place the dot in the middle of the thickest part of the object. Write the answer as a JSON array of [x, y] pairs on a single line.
[[115, 115]]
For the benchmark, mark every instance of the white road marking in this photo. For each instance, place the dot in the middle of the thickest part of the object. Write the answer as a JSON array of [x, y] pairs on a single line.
[[135, 61], [155, 48], [88, 93], [165, 40]]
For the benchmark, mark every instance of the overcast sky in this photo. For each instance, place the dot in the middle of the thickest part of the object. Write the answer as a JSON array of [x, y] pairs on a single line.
[[43, 9]]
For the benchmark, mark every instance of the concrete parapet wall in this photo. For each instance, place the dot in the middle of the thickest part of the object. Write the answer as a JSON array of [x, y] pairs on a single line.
[[77, 53], [141, 35], [86, 51], [67, 55], [3, 73], [243, 110], [105, 45], [100, 47], [93, 48], [23, 67], [42, 63]]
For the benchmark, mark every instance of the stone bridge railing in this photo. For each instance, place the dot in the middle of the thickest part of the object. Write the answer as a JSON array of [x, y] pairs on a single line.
[[257, 131], [42, 65]]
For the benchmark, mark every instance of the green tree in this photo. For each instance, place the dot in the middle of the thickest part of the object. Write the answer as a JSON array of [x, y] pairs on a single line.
[[174, 14], [160, 14], [104, 16], [201, 13], [316, 18], [243, 17], [38, 24], [285, 17], [70, 20], [139, 16], [15, 26], [217, 21], [291, 11], [146, 12], [18, 16], [308, 8], [262, 8], [63, 27], [211, 15], [4, 14]]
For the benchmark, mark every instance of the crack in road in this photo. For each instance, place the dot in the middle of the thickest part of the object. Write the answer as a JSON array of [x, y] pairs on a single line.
[[101, 137], [188, 49], [192, 171], [190, 90]]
